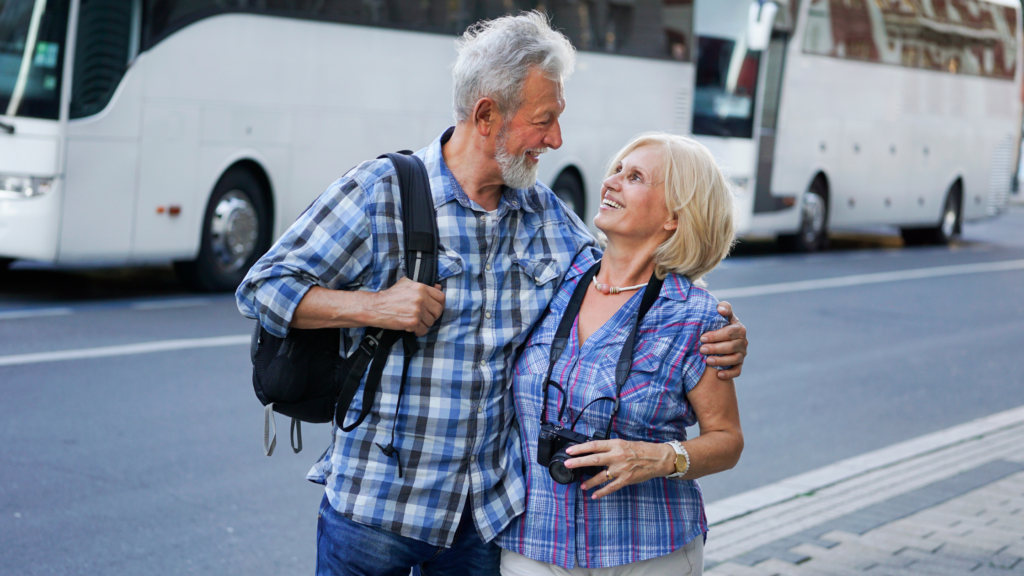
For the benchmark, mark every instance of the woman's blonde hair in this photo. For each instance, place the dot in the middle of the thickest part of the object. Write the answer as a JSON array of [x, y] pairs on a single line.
[[699, 196]]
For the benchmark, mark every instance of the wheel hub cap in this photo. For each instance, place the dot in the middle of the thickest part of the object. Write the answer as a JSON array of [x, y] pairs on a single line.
[[949, 221], [234, 231], [814, 217]]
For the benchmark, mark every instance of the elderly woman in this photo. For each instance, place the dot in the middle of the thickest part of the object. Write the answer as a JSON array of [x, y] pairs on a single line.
[[611, 475]]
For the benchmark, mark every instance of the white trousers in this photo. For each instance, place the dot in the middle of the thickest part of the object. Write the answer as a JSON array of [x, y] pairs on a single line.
[[686, 561]]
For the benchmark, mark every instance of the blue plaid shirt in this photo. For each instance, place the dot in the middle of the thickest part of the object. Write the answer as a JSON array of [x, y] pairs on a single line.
[[562, 525], [455, 431]]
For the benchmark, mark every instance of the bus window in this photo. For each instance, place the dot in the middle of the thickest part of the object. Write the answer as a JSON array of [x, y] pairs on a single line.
[[647, 28], [102, 53], [978, 39], [725, 88], [32, 36]]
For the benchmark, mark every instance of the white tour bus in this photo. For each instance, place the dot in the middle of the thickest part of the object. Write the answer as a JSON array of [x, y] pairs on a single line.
[[195, 131], [845, 113]]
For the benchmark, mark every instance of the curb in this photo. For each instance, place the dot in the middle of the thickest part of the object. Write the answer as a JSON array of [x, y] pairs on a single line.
[[740, 505]]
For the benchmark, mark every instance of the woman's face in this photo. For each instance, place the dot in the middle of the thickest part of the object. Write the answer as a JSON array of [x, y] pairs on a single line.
[[633, 199]]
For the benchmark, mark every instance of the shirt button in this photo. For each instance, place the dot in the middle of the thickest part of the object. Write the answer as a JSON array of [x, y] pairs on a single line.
[[472, 457], [487, 315], [536, 279], [488, 266], [480, 409], [483, 362]]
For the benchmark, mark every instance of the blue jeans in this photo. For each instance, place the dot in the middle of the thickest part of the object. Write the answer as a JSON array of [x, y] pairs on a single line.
[[347, 548]]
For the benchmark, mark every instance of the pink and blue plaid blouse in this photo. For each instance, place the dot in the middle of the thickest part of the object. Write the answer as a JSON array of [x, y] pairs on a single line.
[[562, 525]]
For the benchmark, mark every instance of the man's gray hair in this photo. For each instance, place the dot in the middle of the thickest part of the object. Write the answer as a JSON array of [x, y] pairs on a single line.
[[494, 57]]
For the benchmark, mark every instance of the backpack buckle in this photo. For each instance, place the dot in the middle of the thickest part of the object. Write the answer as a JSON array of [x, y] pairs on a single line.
[[369, 344]]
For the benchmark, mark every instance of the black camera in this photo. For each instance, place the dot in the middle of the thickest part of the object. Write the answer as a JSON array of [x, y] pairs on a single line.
[[551, 444]]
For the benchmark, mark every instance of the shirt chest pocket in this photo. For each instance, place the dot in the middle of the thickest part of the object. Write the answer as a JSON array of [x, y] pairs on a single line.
[[450, 277], [650, 380], [654, 389], [533, 284]]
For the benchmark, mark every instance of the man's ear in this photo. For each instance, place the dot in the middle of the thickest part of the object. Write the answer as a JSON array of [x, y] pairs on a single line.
[[485, 117]]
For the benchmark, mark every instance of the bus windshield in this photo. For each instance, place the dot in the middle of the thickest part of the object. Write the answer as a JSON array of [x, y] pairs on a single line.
[[32, 34], [723, 103]]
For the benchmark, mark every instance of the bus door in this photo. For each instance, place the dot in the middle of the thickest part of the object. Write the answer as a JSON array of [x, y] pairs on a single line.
[[773, 62]]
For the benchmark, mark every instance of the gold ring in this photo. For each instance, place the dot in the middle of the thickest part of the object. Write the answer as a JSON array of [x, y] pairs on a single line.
[[607, 475]]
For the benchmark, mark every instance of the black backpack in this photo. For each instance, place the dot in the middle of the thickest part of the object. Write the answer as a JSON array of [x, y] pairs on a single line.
[[304, 376]]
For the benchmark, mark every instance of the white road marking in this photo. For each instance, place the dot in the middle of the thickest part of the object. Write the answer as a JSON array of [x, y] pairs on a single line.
[[35, 313], [162, 304], [862, 279], [144, 348]]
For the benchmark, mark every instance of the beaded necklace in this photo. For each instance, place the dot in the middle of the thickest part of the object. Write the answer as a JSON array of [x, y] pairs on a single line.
[[606, 289]]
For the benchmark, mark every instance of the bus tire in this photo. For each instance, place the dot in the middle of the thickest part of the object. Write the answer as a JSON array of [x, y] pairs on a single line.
[[948, 226], [569, 189], [813, 233], [236, 232]]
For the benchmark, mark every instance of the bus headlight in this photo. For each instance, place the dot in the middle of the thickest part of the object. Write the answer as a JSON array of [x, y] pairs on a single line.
[[12, 186]]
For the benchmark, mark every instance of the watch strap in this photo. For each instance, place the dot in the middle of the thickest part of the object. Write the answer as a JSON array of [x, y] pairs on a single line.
[[680, 451]]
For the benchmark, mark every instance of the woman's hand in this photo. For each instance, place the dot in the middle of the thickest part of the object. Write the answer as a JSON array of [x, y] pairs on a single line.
[[627, 463], [717, 448]]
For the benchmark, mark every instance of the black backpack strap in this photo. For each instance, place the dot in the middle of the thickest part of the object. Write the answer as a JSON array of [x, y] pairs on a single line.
[[419, 220], [419, 224], [352, 371]]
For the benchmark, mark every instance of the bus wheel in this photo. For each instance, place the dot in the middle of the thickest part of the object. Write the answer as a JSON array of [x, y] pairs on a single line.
[[813, 233], [236, 232], [569, 190], [948, 226]]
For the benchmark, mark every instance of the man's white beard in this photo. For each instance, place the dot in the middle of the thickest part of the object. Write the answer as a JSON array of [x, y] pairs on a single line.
[[517, 172]]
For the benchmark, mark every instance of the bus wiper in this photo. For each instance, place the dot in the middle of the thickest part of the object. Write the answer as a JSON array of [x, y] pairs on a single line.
[[9, 128]]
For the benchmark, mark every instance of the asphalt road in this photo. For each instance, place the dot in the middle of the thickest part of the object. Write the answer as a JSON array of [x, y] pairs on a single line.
[[152, 463]]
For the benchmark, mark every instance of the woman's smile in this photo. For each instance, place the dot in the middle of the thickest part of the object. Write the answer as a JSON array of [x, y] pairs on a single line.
[[608, 204]]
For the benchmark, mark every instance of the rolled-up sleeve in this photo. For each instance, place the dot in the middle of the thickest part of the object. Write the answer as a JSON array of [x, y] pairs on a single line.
[[330, 245], [703, 318]]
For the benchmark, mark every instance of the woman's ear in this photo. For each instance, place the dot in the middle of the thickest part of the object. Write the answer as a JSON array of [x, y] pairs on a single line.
[[672, 223]]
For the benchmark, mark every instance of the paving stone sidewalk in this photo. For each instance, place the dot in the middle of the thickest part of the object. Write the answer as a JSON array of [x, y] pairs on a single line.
[[980, 532]]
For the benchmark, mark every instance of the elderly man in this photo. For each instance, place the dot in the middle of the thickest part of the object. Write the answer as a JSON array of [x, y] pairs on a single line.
[[506, 241]]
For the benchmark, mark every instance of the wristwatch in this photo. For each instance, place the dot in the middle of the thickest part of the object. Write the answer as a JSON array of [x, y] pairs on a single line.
[[682, 459]]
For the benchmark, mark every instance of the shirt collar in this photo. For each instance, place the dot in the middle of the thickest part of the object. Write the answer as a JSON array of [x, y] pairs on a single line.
[[581, 264], [511, 199], [676, 287]]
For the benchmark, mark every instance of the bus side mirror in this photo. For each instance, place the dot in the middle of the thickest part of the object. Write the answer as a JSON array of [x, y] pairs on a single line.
[[760, 19]]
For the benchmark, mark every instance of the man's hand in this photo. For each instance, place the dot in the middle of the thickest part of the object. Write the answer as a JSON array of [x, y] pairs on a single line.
[[726, 346], [408, 306]]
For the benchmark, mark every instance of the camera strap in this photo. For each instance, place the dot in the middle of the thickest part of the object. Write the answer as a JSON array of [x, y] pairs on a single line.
[[561, 339]]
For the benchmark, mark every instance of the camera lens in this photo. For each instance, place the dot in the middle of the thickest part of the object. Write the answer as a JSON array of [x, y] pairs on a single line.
[[559, 473]]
